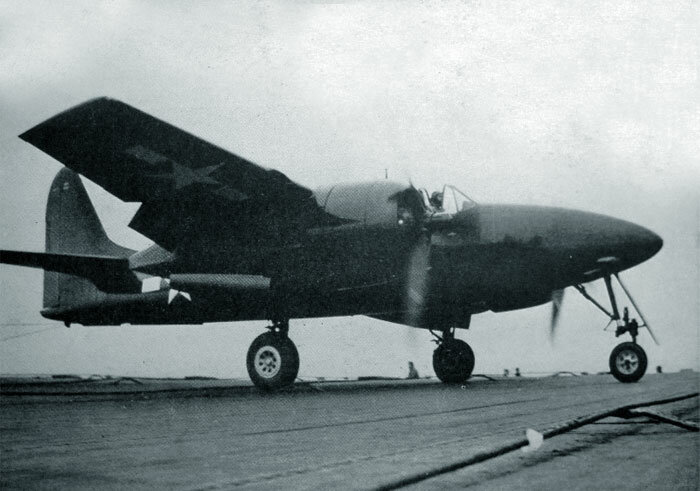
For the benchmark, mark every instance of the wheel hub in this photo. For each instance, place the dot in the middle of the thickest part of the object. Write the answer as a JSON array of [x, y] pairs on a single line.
[[267, 361], [450, 359], [627, 362]]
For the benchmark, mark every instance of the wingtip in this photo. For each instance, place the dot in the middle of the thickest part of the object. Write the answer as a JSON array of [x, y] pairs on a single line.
[[34, 134]]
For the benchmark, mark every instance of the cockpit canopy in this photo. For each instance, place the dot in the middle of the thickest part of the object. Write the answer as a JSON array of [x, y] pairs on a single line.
[[368, 202], [450, 200], [389, 202]]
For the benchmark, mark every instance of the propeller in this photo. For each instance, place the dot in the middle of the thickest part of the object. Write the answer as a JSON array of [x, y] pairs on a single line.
[[557, 301], [417, 280]]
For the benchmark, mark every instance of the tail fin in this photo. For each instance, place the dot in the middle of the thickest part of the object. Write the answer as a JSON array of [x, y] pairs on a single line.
[[72, 227]]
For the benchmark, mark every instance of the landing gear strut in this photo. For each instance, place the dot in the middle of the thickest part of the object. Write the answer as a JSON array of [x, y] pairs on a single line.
[[453, 359], [628, 361], [273, 359]]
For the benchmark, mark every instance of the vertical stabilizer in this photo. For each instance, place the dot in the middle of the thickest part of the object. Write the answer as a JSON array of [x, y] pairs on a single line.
[[72, 227]]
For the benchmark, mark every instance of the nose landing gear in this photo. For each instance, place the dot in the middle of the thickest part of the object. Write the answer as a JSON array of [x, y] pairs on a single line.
[[453, 359], [628, 360]]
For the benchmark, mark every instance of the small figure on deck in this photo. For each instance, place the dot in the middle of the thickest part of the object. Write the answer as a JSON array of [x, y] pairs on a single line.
[[517, 372], [412, 372]]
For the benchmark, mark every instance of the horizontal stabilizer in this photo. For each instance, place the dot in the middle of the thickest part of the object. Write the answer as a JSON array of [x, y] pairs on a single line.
[[109, 274]]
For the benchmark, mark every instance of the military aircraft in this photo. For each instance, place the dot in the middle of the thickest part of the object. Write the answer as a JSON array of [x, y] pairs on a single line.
[[234, 241]]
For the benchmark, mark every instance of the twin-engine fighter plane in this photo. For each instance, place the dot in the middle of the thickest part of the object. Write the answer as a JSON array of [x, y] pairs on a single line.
[[235, 241]]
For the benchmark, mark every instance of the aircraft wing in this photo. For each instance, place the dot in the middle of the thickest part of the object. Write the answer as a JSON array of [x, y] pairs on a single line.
[[189, 188]]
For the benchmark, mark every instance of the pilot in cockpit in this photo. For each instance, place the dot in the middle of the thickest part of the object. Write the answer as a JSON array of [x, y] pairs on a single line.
[[436, 200]]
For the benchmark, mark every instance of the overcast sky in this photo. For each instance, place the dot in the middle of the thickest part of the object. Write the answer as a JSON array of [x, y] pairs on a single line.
[[588, 105]]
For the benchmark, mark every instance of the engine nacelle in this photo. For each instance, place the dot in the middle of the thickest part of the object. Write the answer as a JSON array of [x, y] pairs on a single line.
[[183, 284]]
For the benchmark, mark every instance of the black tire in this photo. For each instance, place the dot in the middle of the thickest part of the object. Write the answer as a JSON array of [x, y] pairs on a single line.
[[453, 361], [628, 362], [272, 361]]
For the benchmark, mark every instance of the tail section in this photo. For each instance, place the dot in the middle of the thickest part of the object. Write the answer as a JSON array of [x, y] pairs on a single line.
[[73, 228]]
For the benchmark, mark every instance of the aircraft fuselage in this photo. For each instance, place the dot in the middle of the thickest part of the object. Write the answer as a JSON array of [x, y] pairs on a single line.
[[487, 257]]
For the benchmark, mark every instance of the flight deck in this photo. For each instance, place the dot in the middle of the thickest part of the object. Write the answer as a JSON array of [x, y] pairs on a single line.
[[212, 434]]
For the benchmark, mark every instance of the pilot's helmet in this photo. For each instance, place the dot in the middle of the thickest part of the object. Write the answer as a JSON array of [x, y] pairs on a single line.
[[436, 199]]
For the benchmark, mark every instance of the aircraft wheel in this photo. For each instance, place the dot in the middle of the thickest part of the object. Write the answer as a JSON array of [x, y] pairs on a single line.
[[628, 362], [453, 361], [272, 361]]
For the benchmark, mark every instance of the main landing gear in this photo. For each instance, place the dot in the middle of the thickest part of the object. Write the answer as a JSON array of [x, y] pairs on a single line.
[[628, 361], [453, 359], [273, 359]]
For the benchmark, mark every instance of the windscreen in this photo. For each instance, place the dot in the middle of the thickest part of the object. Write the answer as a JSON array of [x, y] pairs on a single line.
[[448, 201], [454, 200]]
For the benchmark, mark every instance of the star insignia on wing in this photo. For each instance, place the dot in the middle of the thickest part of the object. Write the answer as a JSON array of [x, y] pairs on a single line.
[[184, 176]]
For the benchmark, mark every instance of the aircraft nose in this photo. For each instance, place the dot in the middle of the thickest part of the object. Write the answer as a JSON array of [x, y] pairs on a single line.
[[584, 239], [653, 242], [646, 242], [625, 243]]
